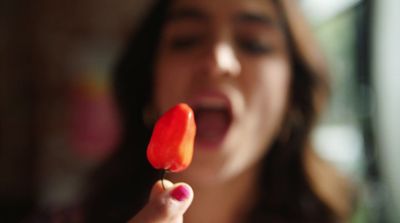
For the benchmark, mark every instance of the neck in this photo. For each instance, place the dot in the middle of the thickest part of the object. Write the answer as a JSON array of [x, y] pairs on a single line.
[[224, 202]]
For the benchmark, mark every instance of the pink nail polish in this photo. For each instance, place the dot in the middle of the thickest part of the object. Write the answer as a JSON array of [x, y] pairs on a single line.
[[180, 193]]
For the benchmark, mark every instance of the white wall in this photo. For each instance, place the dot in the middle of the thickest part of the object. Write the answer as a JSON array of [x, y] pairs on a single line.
[[386, 73]]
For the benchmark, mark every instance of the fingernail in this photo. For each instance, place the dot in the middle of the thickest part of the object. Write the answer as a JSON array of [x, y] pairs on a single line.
[[180, 193]]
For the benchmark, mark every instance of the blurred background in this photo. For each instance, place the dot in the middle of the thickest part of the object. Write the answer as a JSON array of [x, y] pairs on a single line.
[[58, 120]]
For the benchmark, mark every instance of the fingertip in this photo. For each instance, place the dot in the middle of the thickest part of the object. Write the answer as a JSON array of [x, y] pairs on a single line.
[[166, 204], [179, 197]]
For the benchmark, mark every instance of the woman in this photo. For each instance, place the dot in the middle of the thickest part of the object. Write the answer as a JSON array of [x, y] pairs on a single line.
[[256, 81]]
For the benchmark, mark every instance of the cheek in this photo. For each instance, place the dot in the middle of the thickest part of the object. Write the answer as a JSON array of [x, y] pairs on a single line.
[[268, 96], [274, 86]]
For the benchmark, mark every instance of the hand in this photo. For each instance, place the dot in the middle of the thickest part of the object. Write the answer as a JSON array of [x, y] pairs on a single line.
[[165, 206]]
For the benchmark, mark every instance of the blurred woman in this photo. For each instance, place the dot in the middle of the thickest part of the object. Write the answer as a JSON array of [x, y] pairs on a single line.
[[256, 80]]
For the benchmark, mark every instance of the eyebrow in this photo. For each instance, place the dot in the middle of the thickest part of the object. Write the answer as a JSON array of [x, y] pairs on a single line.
[[186, 13]]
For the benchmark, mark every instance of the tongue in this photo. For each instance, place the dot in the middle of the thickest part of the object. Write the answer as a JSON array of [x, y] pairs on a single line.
[[211, 125]]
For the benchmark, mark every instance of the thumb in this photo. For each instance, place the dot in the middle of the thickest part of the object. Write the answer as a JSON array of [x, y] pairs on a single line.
[[166, 205]]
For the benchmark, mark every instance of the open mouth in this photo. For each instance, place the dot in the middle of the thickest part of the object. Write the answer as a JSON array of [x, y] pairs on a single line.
[[213, 117]]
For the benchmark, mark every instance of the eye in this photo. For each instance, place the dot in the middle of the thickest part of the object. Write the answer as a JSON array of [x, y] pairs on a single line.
[[185, 42], [254, 46]]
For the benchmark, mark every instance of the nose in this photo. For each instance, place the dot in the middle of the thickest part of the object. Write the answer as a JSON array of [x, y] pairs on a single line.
[[222, 60]]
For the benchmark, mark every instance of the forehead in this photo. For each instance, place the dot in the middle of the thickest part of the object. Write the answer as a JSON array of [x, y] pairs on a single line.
[[224, 8]]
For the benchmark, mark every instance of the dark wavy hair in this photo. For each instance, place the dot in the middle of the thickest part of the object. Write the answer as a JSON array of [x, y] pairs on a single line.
[[121, 186]]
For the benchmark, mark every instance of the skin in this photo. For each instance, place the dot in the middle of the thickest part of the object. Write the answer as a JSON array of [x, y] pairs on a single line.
[[245, 59], [236, 48]]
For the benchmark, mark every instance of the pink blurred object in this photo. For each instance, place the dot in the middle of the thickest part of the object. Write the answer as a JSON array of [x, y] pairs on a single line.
[[94, 127]]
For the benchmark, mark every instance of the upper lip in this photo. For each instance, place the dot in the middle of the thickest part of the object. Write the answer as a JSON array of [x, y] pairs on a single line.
[[213, 99]]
